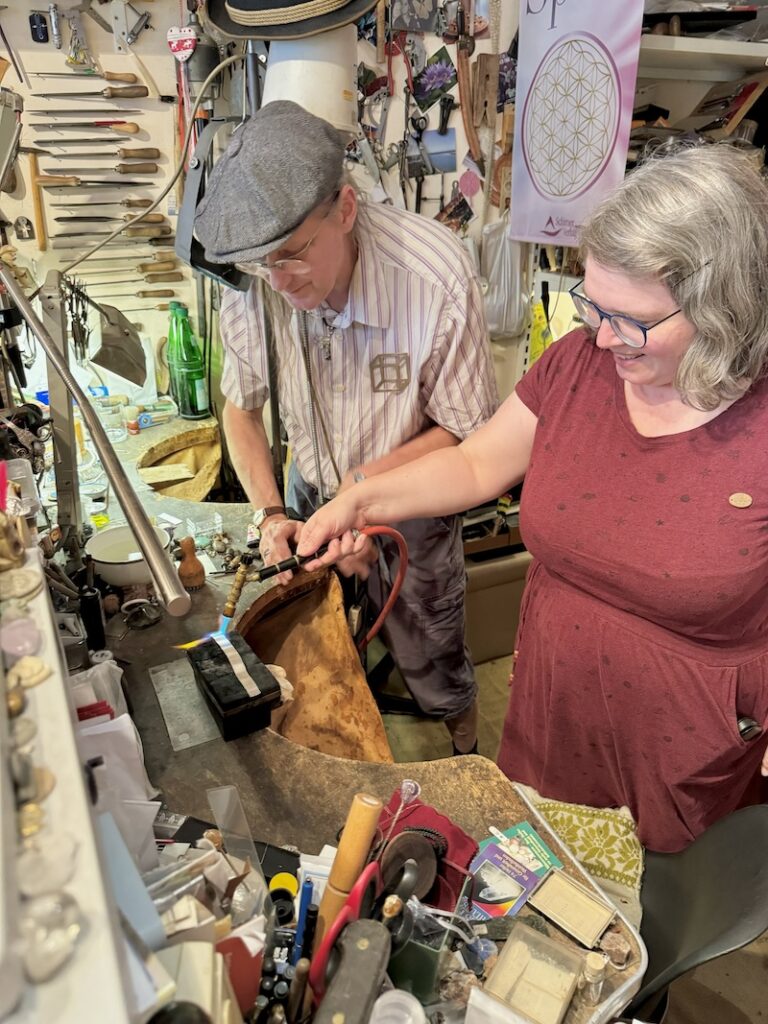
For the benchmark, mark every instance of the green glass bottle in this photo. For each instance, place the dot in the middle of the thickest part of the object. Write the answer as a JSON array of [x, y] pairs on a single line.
[[186, 368]]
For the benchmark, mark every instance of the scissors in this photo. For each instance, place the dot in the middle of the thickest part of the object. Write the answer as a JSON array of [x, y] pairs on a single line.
[[365, 900]]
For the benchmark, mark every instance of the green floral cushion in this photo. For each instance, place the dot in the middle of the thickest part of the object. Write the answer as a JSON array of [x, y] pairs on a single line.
[[603, 840]]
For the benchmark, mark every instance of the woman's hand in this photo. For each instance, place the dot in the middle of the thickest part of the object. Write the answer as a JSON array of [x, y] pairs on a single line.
[[353, 554], [764, 766], [333, 524]]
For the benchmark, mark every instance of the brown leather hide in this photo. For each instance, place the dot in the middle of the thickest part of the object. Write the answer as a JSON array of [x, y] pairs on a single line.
[[303, 628]]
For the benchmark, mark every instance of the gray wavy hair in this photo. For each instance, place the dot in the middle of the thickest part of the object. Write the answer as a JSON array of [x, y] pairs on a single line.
[[697, 219]]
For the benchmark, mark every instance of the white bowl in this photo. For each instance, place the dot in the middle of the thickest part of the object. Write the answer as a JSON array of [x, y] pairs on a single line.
[[117, 557]]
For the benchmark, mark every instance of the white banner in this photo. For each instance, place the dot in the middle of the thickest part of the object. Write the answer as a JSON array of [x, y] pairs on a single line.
[[576, 76]]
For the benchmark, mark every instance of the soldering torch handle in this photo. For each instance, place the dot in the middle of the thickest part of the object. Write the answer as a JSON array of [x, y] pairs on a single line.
[[289, 563]]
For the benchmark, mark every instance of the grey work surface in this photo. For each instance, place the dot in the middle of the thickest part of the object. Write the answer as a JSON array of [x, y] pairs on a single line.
[[295, 796]]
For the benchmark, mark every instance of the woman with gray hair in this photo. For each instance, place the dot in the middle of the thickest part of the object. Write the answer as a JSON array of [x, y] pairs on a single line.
[[641, 676]]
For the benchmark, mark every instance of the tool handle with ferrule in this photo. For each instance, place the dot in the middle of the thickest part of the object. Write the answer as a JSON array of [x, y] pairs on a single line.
[[51, 180], [153, 231], [120, 76], [150, 153], [156, 267], [145, 168], [148, 218], [128, 92], [176, 275]]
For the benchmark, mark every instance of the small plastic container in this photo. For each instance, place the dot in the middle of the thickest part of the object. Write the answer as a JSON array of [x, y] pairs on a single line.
[[417, 968], [19, 472], [535, 975], [397, 1007]]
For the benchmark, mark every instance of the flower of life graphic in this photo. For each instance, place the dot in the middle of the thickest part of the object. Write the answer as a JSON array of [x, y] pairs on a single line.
[[571, 117]]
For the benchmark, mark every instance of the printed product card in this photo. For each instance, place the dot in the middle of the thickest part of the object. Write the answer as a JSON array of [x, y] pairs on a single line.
[[500, 884], [525, 844]]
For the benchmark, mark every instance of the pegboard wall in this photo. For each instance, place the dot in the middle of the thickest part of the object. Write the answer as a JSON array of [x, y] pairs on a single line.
[[148, 58]]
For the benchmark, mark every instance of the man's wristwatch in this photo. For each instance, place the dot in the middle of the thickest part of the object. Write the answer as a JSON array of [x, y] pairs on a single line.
[[264, 513]]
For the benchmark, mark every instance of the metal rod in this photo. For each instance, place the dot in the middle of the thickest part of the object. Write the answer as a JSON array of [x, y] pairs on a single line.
[[172, 594], [253, 82]]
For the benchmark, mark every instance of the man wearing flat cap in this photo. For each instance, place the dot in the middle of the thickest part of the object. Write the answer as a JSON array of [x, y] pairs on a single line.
[[383, 356]]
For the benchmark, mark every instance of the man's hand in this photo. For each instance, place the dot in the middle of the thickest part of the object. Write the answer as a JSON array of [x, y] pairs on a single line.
[[279, 538]]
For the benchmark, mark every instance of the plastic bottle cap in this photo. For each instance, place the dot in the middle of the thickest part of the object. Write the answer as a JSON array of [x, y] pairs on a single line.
[[284, 880], [397, 1007], [594, 966]]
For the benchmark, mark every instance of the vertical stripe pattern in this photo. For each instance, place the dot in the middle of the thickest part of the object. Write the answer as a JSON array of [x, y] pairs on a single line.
[[413, 295]]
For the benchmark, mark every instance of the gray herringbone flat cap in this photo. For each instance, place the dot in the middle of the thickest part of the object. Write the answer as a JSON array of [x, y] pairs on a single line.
[[279, 165]]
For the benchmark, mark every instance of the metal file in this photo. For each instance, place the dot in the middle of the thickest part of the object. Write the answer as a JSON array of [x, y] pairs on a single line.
[[119, 92]]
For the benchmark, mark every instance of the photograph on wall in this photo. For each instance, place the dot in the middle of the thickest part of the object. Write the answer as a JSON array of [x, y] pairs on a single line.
[[441, 150], [414, 15], [437, 78], [450, 22], [456, 213]]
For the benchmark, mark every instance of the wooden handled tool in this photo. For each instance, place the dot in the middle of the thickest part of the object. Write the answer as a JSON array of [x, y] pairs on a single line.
[[172, 278], [465, 47], [157, 293], [147, 218], [52, 180], [150, 153], [132, 204], [128, 128], [163, 293], [120, 154], [156, 266], [109, 76], [128, 92], [150, 232], [354, 847], [37, 203], [120, 76], [93, 218], [138, 168]]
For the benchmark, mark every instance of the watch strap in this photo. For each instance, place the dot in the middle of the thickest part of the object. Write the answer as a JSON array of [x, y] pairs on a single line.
[[263, 513]]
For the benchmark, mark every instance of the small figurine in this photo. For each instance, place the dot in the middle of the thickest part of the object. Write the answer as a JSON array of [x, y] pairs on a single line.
[[220, 543], [191, 571]]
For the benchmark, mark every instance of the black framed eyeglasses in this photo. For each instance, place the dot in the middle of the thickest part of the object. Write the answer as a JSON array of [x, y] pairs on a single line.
[[630, 331]]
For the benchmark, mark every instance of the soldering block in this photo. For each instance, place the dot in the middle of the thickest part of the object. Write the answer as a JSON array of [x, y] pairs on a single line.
[[238, 688]]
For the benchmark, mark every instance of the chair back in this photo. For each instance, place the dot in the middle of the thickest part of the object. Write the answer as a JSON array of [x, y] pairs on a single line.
[[705, 901]]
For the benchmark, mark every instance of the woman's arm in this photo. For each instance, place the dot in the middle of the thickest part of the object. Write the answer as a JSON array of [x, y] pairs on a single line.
[[490, 461]]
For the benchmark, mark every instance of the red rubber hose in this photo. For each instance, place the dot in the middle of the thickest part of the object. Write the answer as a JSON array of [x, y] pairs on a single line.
[[402, 547]]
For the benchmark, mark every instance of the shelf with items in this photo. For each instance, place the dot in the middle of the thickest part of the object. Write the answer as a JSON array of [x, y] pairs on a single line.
[[89, 986], [704, 59]]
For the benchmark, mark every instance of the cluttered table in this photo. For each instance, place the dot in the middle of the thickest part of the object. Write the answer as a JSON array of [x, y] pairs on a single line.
[[296, 797]]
